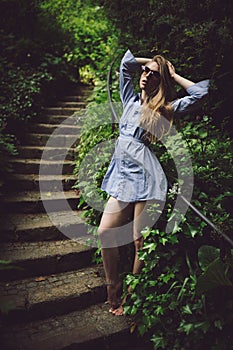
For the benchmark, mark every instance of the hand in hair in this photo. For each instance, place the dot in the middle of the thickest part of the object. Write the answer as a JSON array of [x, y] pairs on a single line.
[[171, 69], [178, 79]]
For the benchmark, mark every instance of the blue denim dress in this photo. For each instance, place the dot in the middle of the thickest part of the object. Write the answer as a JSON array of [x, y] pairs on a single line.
[[135, 174]]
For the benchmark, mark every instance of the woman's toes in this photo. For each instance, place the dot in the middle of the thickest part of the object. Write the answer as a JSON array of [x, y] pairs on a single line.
[[119, 311]]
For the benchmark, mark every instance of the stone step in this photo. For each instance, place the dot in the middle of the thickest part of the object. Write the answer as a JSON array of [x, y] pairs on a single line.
[[34, 258], [71, 104], [31, 202], [64, 129], [55, 294], [48, 167], [82, 91], [65, 119], [93, 328], [26, 227], [63, 110], [32, 182], [62, 140], [77, 97], [52, 153]]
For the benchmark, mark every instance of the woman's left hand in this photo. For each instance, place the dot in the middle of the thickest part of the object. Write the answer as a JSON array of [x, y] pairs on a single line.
[[171, 69]]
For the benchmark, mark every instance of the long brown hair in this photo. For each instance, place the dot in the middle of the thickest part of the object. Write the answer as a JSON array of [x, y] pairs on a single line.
[[157, 113]]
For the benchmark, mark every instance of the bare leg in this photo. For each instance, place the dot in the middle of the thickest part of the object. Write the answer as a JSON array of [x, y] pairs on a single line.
[[142, 219], [110, 257], [116, 214]]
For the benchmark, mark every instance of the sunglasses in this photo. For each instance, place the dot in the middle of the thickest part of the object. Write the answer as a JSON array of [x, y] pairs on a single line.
[[154, 73]]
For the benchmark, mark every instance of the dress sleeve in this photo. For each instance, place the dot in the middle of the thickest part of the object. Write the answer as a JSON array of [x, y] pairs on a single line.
[[194, 99], [128, 66]]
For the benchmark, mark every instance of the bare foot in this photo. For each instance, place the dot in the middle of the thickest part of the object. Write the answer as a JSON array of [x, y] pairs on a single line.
[[113, 291], [118, 311]]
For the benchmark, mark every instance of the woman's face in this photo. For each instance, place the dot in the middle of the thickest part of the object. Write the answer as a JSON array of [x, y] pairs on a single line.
[[149, 80]]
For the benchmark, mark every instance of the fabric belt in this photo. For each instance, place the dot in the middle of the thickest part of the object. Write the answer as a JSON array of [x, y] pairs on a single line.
[[129, 137]]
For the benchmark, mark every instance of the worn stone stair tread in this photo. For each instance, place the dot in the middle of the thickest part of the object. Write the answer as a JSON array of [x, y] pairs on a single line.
[[34, 258], [25, 251], [36, 177], [39, 296], [66, 126], [65, 105], [65, 119], [92, 328], [33, 182], [50, 153], [49, 128], [71, 104], [32, 147], [76, 98], [35, 196], [21, 222], [46, 135], [60, 139], [53, 136], [41, 161], [64, 110], [44, 166]]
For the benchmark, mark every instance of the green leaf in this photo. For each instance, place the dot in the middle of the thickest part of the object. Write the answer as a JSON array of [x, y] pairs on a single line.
[[182, 290], [206, 255], [193, 230], [151, 247], [159, 310], [187, 328], [163, 240], [133, 284], [5, 262], [214, 276], [186, 309], [142, 329], [176, 228], [159, 342], [146, 232]]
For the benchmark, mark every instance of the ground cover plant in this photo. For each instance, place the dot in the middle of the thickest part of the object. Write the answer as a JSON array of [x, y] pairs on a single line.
[[182, 298]]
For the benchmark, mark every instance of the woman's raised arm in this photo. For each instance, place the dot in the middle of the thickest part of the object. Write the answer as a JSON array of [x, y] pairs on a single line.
[[183, 82]]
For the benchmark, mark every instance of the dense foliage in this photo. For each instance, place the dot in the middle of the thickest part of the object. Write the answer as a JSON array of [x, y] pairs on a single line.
[[45, 47], [182, 298], [31, 64], [195, 35]]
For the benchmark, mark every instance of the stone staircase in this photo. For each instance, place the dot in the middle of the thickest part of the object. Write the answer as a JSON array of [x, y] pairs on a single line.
[[54, 292]]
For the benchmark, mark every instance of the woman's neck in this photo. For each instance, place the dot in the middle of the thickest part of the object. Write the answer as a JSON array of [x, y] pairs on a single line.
[[143, 96]]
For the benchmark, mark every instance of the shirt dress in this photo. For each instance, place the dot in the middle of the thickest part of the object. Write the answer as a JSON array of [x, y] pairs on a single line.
[[134, 173]]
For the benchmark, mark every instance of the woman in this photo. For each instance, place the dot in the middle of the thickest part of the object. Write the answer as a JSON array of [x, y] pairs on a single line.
[[135, 177]]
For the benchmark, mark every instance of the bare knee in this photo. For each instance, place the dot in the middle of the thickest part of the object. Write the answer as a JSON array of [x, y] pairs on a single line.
[[107, 237], [102, 234], [101, 231]]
